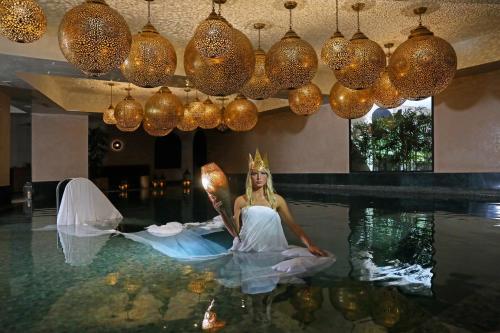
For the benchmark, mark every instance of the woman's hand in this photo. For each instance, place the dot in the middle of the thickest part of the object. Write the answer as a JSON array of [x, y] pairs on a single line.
[[317, 251]]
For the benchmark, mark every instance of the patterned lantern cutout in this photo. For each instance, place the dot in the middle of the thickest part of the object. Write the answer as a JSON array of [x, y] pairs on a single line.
[[367, 61], [152, 59], [349, 103], [424, 65], [163, 110], [336, 52], [94, 37], [241, 114], [22, 21], [384, 93], [305, 100], [128, 114], [108, 116], [211, 116], [291, 62]]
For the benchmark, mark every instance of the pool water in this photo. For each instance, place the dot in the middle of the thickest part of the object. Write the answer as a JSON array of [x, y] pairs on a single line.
[[402, 265]]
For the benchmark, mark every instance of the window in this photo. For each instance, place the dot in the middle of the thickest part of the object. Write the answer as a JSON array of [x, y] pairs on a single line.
[[392, 140]]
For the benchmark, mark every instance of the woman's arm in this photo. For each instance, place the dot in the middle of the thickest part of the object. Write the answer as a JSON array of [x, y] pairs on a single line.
[[239, 203], [287, 217]]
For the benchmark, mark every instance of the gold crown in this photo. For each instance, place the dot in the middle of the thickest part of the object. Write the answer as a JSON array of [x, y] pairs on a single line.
[[257, 162]]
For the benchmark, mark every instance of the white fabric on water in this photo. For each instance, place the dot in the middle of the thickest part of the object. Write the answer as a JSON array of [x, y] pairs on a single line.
[[169, 229], [261, 231], [84, 203]]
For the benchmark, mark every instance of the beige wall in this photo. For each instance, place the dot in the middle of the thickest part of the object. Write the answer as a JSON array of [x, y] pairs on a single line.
[[59, 146], [467, 125], [315, 144], [4, 140], [467, 135]]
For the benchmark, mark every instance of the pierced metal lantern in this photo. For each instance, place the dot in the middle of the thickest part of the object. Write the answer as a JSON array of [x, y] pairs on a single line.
[[108, 116], [22, 21], [349, 103], [94, 37], [152, 130], [305, 100], [128, 114], [211, 116], [188, 122], [259, 86], [164, 110], [385, 94], [213, 38], [221, 76], [291, 62], [336, 52], [366, 64], [422, 66], [241, 114], [152, 59]]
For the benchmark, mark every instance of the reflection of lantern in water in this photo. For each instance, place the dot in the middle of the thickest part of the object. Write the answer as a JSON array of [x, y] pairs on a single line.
[[387, 307], [197, 286], [112, 278], [186, 178], [306, 301], [351, 300], [132, 286]]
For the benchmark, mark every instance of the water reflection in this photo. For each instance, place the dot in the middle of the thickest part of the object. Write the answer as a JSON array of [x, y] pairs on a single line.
[[393, 248]]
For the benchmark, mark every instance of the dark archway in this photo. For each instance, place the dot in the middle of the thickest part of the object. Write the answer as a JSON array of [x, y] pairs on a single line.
[[199, 153], [168, 152]]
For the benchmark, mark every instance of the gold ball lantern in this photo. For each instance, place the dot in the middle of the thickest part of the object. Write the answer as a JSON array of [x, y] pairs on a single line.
[[152, 60], [94, 37], [164, 110], [188, 122], [291, 62], [108, 116], [128, 114], [367, 61], [241, 114], [213, 38], [22, 21], [422, 66], [305, 100], [336, 52], [349, 103], [211, 116], [384, 93], [152, 130], [259, 86], [221, 76]]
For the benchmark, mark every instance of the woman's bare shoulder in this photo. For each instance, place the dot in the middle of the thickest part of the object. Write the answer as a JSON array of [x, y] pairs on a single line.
[[241, 200]]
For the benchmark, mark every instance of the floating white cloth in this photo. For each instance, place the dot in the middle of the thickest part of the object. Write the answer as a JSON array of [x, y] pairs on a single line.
[[169, 229], [83, 203]]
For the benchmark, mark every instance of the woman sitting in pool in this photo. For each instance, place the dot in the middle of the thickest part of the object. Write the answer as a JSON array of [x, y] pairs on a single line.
[[259, 212]]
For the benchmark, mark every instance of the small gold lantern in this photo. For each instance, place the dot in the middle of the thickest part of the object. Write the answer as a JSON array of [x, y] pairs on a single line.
[[22, 21]]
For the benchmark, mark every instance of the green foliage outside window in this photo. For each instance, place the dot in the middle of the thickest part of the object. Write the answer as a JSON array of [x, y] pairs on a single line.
[[401, 142]]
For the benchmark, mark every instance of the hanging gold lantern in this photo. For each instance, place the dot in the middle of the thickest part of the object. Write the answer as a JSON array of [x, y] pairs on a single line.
[[221, 76], [424, 65], [196, 109], [384, 93], [241, 114], [128, 114], [305, 100], [349, 103], [336, 52], [189, 120], [259, 86], [164, 110], [108, 117], [152, 59], [367, 61], [291, 62], [213, 38], [222, 125], [22, 21], [211, 116], [94, 37], [152, 130]]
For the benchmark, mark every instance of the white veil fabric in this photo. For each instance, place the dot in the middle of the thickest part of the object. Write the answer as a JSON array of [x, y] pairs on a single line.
[[83, 203]]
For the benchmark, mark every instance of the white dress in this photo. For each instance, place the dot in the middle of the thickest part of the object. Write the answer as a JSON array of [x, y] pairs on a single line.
[[261, 231]]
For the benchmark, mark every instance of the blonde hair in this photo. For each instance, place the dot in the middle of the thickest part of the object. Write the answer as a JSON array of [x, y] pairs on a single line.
[[269, 191]]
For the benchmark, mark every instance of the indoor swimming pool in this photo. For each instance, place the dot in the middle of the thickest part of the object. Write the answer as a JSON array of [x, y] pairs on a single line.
[[401, 265]]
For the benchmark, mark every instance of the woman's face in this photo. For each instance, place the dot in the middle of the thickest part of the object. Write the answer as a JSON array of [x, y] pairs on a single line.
[[259, 178]]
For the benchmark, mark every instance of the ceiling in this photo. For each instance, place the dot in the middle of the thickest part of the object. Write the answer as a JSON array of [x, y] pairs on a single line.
[[472, 26]]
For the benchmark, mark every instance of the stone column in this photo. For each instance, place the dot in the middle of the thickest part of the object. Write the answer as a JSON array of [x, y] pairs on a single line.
[[4, 148]]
